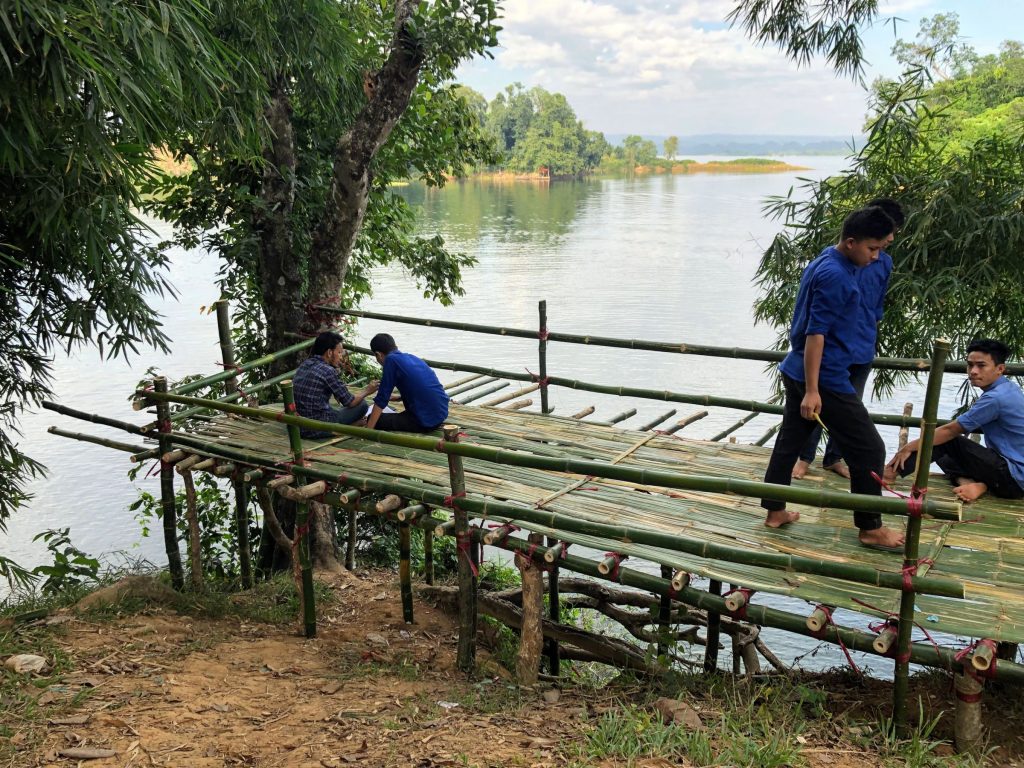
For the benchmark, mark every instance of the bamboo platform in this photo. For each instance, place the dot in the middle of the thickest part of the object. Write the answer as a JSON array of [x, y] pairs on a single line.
[[985, 551]]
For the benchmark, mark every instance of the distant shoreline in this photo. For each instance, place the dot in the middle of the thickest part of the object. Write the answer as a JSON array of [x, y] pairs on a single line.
[[742, 165]]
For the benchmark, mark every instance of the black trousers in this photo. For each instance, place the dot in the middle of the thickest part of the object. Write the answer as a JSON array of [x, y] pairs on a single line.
[[849, 426], [962, 457], [401, 422]]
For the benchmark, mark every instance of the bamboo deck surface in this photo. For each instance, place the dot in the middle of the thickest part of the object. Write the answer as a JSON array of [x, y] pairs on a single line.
[[985, 551]]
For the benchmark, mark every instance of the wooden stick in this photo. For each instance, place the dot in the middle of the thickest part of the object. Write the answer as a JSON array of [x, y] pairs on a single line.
[[412, 512], [242, 529], [301, 520], [389, 503], [664, 614], [763, 439], [518, 405], [466, 660], [405, 571], [463, 380], [204, 464], [554, 608], [584, 413], [685, 422], [531, 636], [428, 555], [195, 557], [173, 457], [511, 396], [223, 470], [714, 628], [904, 434], [227, 346], [652, 424], [622, 416], [279, 482], [729, 430], [186, 465], [167, 505], [478, 381], [474, 396], [542, 353]]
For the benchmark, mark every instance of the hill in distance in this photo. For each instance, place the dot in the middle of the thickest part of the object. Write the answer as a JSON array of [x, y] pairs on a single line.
[[745, 145]]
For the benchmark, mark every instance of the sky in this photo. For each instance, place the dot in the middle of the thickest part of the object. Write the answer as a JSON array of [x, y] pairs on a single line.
[[664, 67]]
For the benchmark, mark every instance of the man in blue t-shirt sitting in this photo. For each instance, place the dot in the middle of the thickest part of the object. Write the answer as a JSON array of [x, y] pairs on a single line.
[[816, 374], [425, 401], [974, 469]]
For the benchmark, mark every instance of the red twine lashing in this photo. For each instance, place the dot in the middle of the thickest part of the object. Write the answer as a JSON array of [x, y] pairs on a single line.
[[915, 499], [535, 378], [617, 558], [910, 571], [963, 654], [542, 334], [449, 501]]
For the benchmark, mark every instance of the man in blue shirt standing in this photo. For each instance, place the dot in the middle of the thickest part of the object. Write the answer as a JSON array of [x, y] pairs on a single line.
[[425, 401], [872, 282], [816, 373], [316, 379], [974, 469]]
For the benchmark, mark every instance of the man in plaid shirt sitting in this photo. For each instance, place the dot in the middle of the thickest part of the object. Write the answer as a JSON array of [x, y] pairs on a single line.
[[317, 379]]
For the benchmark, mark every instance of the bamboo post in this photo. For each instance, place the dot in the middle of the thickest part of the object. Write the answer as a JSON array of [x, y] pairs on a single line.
[[622, 416], [714, 630], [349, 499], [242, 524], [584, 413], [729, 430], [554, 606], [227, 346], [195, 558], [531, 634], [404, 570], [664, 614], [542, 354], [901, 675], [467, 578], [685, 422], [658, 420], [967, 727], [167, 507], [301, 520], [904, 434], [428, 556]]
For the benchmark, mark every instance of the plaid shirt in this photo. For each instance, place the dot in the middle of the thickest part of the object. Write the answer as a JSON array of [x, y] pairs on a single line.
[[315, 381]]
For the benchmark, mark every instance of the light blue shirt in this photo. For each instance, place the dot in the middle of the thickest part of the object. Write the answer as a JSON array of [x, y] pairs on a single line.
[[999, 415], [872, 282]]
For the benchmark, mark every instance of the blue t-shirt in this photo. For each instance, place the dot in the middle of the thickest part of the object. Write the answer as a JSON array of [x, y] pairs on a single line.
[[872, 282], [422, 394], [999, 414], [828, 303]]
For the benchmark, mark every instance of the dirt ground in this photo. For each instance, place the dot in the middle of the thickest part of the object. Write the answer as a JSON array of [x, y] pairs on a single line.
[[163, 689]]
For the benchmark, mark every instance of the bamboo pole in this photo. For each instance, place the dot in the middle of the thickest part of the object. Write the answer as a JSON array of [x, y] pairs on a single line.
[[622, 416], [763, 439], [348, 503], [167, 505], [554, 604], [652, 424], [460, 382], [542, 354], [217, 378], [584, 413], [531, 633], [714, 629], [477, 381], [405, 571], [801, 495], [227, 346], [106, 443], [242, 527], [235, 396], [697, 416], [518, 405], [428, 554], [916, 365], [511, 396], [729, 430], [195, 557], [901, 674], [488, 508], [904, 434], [467, 578], [137, 458], [301, 519], [664, 614], [95, 418], [474, 396]]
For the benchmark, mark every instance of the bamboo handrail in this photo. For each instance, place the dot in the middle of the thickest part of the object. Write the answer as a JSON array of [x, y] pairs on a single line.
[[916, 365], [231, 373], [749, 488]]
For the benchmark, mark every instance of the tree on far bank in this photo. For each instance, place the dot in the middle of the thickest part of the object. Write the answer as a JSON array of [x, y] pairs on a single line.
[[670, 147], [638, 151]]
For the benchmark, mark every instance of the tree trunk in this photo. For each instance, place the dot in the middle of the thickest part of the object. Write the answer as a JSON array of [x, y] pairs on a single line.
[[351, 178], [324, 538], [531, 635]]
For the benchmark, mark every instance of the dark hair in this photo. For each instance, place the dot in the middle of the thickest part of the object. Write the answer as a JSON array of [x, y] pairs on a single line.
[[892, 209], [325, 342], [867, 223], [383, 343], [992, 347]]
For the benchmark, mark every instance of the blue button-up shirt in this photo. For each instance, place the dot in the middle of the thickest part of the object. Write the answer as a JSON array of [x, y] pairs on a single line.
[[315, 381], [422, 394], [828, 303], [872, 282], [999, 414]]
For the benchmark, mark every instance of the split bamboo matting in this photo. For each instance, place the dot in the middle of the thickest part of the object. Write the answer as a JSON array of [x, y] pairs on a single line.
[[985, 551]]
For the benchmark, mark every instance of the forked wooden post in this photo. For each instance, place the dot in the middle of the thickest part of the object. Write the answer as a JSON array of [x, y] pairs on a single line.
[[167, 507], [901, 675], [714, 630], [301, 520], [554, 613], [542, 353], [242, 526], [227, 346], [464, 543]]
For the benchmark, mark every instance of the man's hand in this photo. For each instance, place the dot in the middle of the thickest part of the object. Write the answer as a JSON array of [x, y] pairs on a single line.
[[897, 462], [371, 387], [810, 405]]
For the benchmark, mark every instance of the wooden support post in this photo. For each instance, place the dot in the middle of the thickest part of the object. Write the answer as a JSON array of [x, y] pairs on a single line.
[[167, 506], [466, 659], [242, 524], [664, 614], [554, 607], [714, 631], [404, 571], [531, 633], [969, 734], [301, 521], [227, 346], [542, 353], [195, 558], [901, 675], [904, 434], [428, 556]]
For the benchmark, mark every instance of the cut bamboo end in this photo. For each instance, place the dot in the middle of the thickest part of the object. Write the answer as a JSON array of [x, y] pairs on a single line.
[[983, 655], [389, 503], [253, 475], [445, 529], [736, 601], [139, 403], [818, 619], [186, 465], [584, 413], [138, 458], [278, 482], [496, 536], [554, 553], [311, 491], [411, 513], [622, 416], [173, 457], [610, 564], [223, 470], [349, 497], [205, 464], [886, 639], [680, 581], [518, 405]]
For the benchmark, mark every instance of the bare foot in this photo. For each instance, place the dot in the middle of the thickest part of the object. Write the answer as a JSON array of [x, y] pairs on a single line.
[[840, 469], [780, 517], [881, 537], [968, 492], [800, 469]]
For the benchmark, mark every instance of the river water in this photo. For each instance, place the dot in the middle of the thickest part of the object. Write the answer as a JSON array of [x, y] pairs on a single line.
[[656, 257]]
